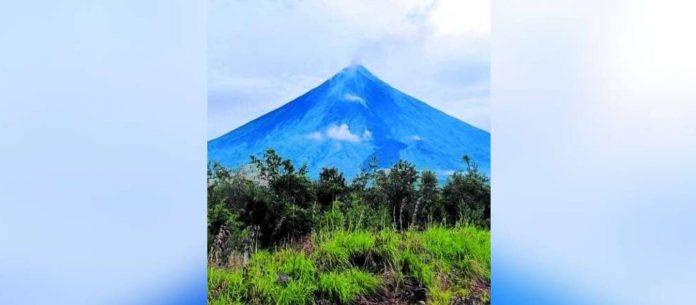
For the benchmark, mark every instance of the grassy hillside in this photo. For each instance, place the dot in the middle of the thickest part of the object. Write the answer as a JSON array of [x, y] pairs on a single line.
[[389, 236], [437, 266]]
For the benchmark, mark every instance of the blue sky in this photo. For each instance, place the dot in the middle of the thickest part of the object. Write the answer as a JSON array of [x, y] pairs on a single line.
[[262, 54]]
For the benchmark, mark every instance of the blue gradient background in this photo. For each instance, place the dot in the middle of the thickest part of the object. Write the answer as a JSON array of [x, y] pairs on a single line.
[[103, 139], [103, 129], [593, 152]]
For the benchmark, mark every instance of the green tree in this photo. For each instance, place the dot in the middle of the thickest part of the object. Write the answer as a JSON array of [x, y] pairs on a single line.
[[428, 205], [330, 187], [399, 187], [467, 196], [290, 214]]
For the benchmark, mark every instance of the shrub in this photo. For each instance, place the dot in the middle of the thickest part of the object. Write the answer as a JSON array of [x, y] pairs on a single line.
[[467, 197], [333, 219]]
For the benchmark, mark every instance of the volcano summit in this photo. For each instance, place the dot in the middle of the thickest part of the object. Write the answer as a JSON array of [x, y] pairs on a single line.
[[351, 118]]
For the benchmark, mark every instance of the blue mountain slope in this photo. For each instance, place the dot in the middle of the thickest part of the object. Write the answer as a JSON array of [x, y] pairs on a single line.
[[349, 119]]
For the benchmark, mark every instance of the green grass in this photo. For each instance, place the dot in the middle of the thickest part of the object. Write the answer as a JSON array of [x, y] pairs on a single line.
[[225, 286], [344, 265], [344, 286], [265, 276], [296, 265], [416, 267], [342, 248], [466, 249]]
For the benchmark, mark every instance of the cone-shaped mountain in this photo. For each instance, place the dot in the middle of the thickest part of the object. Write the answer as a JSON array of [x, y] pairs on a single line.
[[351, 118]]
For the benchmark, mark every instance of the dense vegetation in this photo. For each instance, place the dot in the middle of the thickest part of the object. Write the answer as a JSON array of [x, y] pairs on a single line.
[[388, 236]]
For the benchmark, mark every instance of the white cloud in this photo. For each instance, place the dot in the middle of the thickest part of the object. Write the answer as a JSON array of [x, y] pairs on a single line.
[[416, 138], [367, 135], [354, 98], [435, 50], [342, 133], [316, 136], [448, 172], [461, 18]]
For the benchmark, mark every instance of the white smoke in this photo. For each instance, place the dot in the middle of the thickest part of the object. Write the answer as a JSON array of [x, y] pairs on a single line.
[[356, 99]]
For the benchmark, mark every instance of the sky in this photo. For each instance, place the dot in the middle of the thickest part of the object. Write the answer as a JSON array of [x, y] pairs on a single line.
[[263, 54]]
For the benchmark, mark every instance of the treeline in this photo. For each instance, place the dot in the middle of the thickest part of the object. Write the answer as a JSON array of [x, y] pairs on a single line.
[[272, 202]]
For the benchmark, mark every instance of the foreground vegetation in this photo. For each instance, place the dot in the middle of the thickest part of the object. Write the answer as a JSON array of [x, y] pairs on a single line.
[[437, 265], [390, 236]]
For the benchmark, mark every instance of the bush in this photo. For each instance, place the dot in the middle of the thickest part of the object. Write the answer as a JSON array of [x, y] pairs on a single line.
[[467, 197]]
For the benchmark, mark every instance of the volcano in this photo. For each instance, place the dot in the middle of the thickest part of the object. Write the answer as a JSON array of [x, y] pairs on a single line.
[[350, 119]]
